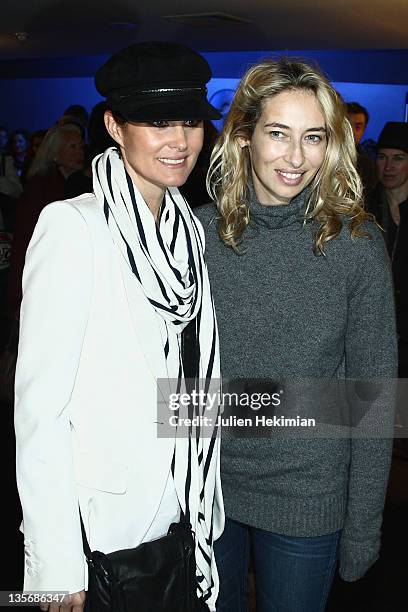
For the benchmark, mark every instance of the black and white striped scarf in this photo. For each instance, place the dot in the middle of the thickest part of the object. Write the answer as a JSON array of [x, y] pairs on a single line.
[[167, 259]]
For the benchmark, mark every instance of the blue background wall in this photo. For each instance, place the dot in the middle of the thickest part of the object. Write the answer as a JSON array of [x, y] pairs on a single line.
[[35, 93], [383, 102]]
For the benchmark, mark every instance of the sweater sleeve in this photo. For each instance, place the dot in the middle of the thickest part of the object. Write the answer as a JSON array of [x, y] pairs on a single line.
[[371, 355]]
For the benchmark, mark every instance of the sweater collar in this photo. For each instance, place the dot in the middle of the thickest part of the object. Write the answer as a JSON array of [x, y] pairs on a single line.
[[280, 215]]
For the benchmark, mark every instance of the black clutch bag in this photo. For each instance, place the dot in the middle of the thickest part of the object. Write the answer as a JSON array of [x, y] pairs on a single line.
[[157, 576]]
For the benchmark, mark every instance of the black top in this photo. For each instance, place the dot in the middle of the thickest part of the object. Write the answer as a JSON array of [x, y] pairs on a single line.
[[396, 240]]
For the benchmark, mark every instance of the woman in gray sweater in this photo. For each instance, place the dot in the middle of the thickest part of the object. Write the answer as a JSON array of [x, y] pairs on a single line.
[[303, 291]]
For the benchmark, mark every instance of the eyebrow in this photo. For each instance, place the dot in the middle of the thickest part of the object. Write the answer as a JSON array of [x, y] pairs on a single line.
[[286, 127]]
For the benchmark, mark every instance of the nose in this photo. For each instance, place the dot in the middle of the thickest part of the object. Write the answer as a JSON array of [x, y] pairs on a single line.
[[294, 154], [388, 164], [179, 140]]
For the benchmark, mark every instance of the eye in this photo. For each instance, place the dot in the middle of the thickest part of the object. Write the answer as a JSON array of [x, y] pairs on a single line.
[[314, 138], [159, 124], [192, 123], [277, 134]]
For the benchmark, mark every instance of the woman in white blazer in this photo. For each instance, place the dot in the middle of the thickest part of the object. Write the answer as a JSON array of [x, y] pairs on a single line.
[[111, 281]]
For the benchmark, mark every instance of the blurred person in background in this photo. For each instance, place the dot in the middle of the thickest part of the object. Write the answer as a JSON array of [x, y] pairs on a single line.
[[389, 203], [78, 112], [18, 145], [98, 141], [35, 141], [60, 153], [78, 115], [4, 137], [359, 117], [10, 189]]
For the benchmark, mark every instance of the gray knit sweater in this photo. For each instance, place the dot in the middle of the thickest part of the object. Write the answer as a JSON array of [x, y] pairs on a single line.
[[283, 311]]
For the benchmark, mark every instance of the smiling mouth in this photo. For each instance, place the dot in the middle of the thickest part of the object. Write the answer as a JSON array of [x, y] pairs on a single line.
[[169, 161], [289, 178], [290, 175]]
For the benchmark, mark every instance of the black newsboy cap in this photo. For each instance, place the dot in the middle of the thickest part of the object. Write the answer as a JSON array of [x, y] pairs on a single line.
[[394, 135], [153, 81]]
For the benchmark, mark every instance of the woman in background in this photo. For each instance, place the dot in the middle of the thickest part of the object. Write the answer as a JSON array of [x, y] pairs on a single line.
[[18, 145], [34, 144], [302, 290], [60, 153], [98, 141]]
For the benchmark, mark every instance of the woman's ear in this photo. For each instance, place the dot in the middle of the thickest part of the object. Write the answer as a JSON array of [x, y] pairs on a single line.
[[243, 141], [114, 129]]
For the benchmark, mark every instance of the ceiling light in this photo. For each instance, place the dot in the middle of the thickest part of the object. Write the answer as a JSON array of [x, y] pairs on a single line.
[[208, 19]]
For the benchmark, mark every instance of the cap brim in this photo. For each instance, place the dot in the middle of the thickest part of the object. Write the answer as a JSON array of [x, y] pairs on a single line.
[[171, 110], [389, 144]]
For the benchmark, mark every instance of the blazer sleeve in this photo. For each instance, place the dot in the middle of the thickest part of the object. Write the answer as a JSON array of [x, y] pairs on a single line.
[[57, 286], [371, 358]]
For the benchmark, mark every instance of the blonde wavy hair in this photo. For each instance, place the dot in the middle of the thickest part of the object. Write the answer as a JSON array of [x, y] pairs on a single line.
[[43, 162], [336, 189]]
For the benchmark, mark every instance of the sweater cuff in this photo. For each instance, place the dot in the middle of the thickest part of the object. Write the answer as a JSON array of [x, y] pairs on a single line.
[[356, 558]]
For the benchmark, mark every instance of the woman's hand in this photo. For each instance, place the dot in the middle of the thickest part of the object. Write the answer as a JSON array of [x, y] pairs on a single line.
[[73, 603]]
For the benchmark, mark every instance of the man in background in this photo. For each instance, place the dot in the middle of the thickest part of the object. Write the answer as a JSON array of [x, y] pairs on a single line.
[[389, 203], [359, 117]]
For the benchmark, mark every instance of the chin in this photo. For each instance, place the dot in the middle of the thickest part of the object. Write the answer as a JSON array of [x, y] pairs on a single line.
[[290, 193], [177, 182]]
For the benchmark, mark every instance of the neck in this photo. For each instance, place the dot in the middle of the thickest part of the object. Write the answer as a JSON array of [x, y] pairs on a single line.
[[65, 173], [152, 194], [264, 197], [396, 196], [154, 205], [277, 216]]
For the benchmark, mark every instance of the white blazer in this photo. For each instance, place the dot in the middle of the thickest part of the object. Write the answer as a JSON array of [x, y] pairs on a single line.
[[85, 399]]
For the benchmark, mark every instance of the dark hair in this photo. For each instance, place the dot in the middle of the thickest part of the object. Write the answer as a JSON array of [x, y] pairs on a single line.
[[38, 133], [21, 131], [26, 135], [99, 139], [354, 107], [120, 120], [78, 111]]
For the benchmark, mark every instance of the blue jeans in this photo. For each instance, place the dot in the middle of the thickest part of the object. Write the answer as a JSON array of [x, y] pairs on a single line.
[[292, 574]]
